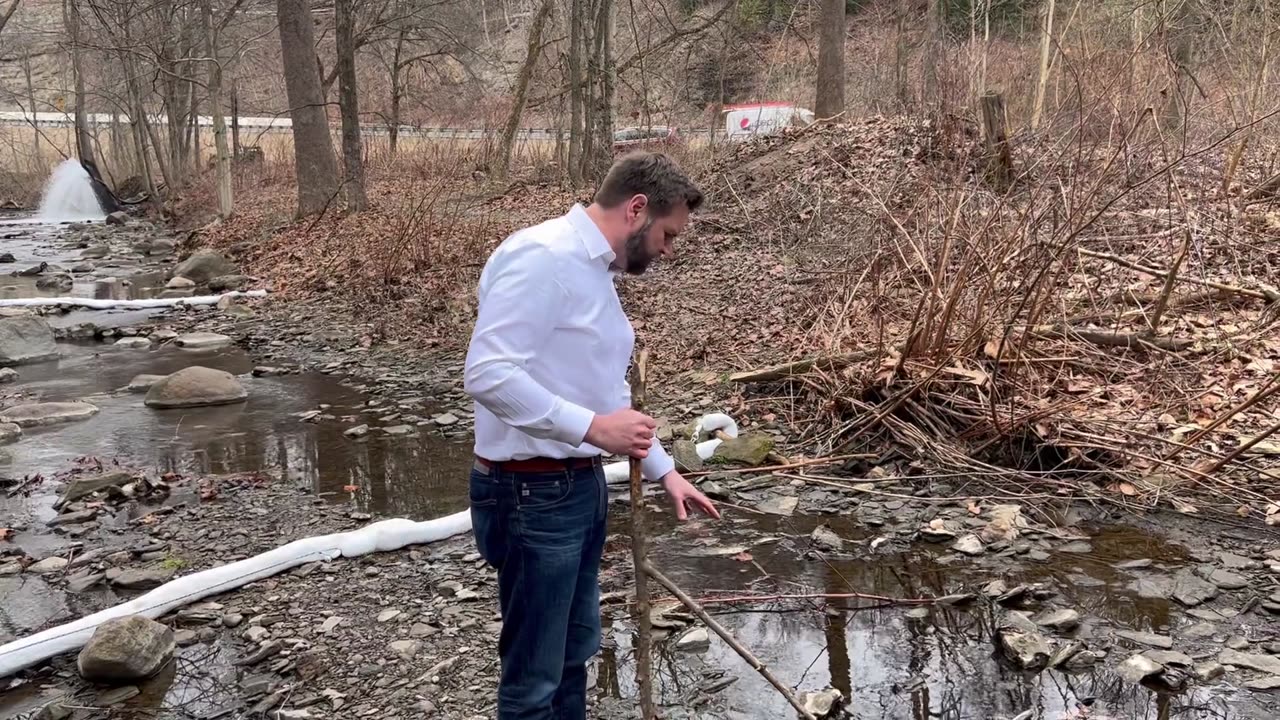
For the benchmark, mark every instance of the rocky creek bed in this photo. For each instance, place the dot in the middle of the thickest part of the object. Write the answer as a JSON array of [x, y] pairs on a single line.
[[908, 602]]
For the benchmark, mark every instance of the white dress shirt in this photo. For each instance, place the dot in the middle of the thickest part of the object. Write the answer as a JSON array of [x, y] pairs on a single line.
[[551, 345]]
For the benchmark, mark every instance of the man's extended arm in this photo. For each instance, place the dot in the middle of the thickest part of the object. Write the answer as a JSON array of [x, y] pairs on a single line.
[[519, 310]]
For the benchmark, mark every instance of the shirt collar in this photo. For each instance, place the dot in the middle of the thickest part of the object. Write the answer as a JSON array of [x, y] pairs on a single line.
[[593, 240]]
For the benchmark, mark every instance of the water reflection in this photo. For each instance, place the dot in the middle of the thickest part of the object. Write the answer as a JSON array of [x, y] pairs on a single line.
[[420, 477], [891, 662]]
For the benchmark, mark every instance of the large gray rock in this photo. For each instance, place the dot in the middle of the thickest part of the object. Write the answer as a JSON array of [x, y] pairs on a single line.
[[26, 339], [1262, 663], [125, 650], [1138, 668], [50, 413], [196, 387], [9, 432], [205, 265]]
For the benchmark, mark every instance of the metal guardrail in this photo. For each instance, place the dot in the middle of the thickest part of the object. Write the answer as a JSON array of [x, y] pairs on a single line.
[[271, 125]]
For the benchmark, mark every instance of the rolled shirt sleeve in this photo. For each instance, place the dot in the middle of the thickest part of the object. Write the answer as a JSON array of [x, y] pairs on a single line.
[[521, 304]]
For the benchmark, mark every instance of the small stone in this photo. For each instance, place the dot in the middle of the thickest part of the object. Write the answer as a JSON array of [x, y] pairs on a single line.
[[824, 538], [140, 577], [1235, 642], [1133, 564], [84, 582], [1138, 668], [180, 283], [822, 703], [784, 505], [202, 341], [1027, 650], [49, 565], [1208, 670], [1170, 657], [73, 518], [8, 375], [405, 648], [184, 638], [445, 419], [358, 431], [142, 383], [256, 634], [95, 252], [695, 640], [388, 615], [1078, 547], [119, 217], [685, 454], [1264, 684], [135, 343], [745, 450], [1059, 620], [1200, 630], [422, 630], [1144, 638], [329, 625], [231, 620], [1232, 561], [115, 696], [1228, 580], [969, 545], [1191, 590], [1262, 663], [399, 430]]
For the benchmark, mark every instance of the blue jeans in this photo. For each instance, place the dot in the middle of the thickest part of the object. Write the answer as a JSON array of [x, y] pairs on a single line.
[[544, 533]]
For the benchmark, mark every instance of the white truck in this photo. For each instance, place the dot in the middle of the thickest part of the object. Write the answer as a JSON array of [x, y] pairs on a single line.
[[743, 122]]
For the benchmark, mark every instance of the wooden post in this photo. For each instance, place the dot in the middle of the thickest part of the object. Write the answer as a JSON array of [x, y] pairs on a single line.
[[639, 558], [996, 134]]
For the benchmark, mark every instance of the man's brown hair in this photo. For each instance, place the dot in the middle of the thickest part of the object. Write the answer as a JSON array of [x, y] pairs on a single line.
[[652, 174]]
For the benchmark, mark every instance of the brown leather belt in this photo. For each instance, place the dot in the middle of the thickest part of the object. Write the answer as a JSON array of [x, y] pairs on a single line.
[[539, 464]]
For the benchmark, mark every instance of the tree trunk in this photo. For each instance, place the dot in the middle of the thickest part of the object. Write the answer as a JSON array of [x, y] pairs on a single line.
[[349, 104], [830, 94], [84, 142], [235, 121], [1046, 54], [902, 57], [1180, 41], [933, 55], [393, 126], [223, 159], [314, 163], [576, 50], [31, 105], [532, 50], [600, 152]]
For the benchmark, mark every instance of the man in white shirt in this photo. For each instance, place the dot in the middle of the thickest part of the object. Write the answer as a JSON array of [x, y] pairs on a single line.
[[547, 368]]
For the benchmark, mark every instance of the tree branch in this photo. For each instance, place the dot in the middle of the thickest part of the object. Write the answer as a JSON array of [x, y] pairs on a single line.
[[13, 7]]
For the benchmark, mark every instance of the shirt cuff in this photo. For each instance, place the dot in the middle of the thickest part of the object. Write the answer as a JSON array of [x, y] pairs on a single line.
[[657, 463], [571, 423]]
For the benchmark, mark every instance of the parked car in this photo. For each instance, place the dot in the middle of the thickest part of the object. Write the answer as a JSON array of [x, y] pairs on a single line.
[[632, 137]]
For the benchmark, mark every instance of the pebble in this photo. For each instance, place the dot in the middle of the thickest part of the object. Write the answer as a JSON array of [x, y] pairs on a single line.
[[404, 648], [232, 619], [1228, 580], [1235, 642], [386, 615]]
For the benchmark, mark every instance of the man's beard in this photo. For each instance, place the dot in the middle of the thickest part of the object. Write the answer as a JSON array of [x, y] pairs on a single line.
[[637, 257]]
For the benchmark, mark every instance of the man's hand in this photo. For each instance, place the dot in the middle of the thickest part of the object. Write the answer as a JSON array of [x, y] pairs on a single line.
[[683, 494], [622, 432]]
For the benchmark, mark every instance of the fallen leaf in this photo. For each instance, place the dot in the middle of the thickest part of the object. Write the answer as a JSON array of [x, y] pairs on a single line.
[[1126, 489], [1185, 508], [975, 508], [350, 488], [1243, 511], [6, 533], [743, 557]]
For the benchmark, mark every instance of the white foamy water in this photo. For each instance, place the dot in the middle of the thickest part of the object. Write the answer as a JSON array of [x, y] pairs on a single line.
[[68, 195]]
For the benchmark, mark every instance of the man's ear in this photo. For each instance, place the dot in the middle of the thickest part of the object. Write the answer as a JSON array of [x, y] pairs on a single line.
[[636, 205]]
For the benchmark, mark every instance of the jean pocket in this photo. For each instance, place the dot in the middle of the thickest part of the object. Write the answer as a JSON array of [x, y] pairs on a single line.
[[484, 491], [540, 492]]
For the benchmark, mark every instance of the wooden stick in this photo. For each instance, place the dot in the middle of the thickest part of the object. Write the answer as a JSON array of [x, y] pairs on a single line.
[[1268, 389], [639, 558], [800, 367], [1217, 464], [729, 639], [1266, 295], [1169, 282]]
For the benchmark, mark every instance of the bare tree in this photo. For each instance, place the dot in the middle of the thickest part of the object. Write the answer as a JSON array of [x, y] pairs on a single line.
[[532, 50], [830, 93], [71, 19], [314, 163], [1046, 57], [222, 162], [349, 105]]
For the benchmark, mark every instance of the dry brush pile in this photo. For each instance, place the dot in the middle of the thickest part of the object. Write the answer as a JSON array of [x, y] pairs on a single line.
[[1104, 326]]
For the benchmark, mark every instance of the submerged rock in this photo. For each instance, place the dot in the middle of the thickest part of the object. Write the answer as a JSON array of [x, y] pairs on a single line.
[[26, 339], [784, 505], [143, 383], [89, 484], [10, 432], [695, 640], [1059, 620], [1191, 590], [126, 650], [51, 413], [196, 386]]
